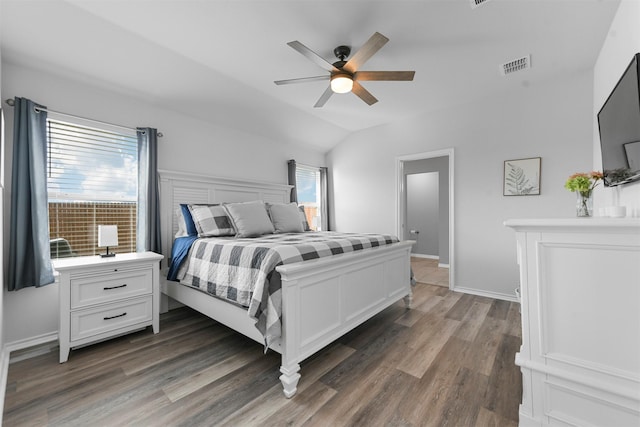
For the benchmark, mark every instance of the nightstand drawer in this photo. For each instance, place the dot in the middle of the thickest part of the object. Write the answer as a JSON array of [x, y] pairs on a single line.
[[110, 317], [97, 289]]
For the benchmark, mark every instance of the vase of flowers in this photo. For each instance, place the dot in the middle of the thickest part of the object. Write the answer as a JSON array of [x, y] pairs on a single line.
[[583, 184]]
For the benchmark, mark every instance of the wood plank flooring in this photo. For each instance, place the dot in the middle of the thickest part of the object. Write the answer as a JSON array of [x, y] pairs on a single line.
[[446, 362], [426, 270]]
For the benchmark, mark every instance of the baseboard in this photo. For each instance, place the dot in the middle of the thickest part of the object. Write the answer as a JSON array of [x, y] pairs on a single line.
[[494, 295], [443, 265], [425, 256], [5, 358], [4, 365], [33, 346]]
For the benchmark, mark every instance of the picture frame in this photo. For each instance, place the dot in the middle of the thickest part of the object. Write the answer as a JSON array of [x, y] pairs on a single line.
[[522, 177]]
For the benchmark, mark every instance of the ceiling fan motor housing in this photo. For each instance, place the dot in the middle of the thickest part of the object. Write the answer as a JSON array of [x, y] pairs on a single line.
[[342, 52]]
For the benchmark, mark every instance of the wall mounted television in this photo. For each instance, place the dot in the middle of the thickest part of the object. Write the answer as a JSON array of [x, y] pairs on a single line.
[[619, 126]]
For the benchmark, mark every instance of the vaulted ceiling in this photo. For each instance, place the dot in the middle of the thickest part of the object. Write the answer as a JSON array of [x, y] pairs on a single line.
[[217, 60]]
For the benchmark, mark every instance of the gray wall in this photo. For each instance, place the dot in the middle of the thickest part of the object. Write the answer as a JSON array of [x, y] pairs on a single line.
[[439, 165], [552, 120], [422, 212]]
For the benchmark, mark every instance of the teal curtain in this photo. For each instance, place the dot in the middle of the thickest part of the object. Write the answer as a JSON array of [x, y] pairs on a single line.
[[324, 198], [148, 219], [291, 172], [29, 257]]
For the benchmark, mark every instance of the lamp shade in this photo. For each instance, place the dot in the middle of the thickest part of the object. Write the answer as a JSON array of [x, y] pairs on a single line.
[[341, 83], [107, 235]]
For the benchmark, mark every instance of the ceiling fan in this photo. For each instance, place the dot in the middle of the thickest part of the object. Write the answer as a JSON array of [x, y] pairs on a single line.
[[344, 75]]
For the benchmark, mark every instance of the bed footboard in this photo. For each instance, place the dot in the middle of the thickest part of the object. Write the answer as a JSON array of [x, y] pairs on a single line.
[[325, 298]]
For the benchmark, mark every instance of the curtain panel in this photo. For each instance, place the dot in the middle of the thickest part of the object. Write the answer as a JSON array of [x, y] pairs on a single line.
[[324, 198], [291, 172], [148, 221], [29, 252]]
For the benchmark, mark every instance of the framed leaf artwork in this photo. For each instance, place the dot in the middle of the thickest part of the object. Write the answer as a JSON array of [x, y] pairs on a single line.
[[522, 177]]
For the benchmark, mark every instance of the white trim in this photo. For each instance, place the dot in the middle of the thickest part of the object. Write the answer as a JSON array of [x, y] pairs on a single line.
[[4, 366], [414, 255], [400, 200], [31, 342], [5, 359], [494, 295], [443, 265]]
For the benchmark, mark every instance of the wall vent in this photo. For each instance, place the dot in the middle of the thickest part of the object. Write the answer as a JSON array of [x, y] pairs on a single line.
[[477, 3], [515, 65]]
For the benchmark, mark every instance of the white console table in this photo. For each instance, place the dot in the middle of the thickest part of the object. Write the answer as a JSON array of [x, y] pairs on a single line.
[[580, 288]]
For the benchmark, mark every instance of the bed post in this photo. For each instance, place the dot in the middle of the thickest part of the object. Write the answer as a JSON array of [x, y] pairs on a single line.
[[408, 299], [290, 335]]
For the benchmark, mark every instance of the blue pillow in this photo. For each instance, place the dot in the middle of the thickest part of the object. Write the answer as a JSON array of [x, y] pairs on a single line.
[[188, 220]]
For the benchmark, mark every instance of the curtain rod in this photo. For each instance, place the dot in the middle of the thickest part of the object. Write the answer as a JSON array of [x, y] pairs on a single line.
[[11, 103]]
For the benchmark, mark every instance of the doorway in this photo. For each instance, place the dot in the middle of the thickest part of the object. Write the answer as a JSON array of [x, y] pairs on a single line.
[[425, 207]]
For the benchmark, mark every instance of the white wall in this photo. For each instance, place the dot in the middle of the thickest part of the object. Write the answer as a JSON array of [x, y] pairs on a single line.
[[622, 42], [3, 353], [552, 121], [188, 144]]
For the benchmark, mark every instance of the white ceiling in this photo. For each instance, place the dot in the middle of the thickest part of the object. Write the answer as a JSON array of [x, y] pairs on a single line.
[[217, 60]]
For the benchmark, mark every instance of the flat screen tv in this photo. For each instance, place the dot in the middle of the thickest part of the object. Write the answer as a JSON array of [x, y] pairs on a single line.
[[619, 125]]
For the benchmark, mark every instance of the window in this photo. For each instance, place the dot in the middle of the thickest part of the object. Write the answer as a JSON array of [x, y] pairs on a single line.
[[308, 190], [92, 179]]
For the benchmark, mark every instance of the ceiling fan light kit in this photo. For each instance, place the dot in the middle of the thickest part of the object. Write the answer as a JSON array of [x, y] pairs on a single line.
[[341, 83], [343, 75]]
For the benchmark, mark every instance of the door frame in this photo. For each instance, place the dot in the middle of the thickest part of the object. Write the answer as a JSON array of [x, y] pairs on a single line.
[[401, 199]]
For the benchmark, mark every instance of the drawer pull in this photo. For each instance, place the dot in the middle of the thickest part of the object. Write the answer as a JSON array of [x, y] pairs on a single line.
[[113, 317], [114, 287]]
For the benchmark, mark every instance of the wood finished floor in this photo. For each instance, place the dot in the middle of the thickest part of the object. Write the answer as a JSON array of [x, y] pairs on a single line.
[[446, 362], [426, 270]]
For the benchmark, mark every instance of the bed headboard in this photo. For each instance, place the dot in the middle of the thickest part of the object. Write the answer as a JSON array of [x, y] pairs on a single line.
[[181, 187]]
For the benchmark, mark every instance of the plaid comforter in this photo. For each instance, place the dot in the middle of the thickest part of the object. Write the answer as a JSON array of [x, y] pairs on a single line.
[[243, 270]]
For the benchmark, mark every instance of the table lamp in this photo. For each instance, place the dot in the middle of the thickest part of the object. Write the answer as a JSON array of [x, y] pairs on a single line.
[[107, 236]]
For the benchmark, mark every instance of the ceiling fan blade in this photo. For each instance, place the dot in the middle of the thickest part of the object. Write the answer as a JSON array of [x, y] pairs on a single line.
[[302, 80], [324, 98], [404, 76], [371, 46], [363, 94], [312, 56]]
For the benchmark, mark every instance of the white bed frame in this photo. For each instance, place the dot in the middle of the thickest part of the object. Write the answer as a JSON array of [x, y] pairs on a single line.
[[322, 299]]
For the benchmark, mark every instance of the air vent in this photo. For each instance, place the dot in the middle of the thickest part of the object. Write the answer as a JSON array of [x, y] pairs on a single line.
[[515, 65], [477, 3]]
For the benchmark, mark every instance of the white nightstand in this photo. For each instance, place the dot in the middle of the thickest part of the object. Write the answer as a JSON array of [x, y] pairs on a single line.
[[102, 298]]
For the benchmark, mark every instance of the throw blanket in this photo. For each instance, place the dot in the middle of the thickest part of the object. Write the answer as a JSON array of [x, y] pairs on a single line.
[[243, 270]]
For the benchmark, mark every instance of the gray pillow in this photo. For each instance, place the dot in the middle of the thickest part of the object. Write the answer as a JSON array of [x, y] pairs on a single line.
[[285, 217], [249, 218]]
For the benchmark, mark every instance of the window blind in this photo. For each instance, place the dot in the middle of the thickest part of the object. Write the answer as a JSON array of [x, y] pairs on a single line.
[[306, 181], [92, 179]]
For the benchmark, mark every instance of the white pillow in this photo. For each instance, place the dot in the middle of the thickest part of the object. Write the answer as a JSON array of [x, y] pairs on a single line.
[[182, 225], [285, 217], [249, 218]]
